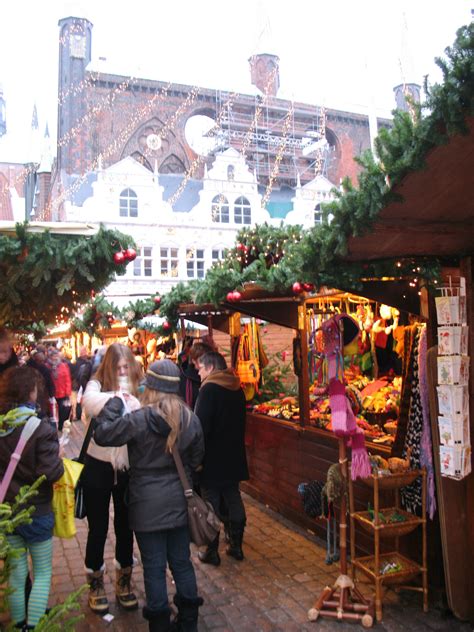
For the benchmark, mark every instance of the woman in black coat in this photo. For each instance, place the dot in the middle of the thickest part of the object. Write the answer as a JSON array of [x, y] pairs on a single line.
[[156, 503]]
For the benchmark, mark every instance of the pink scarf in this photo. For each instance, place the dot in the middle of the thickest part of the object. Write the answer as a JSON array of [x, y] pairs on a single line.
[[338, 331]]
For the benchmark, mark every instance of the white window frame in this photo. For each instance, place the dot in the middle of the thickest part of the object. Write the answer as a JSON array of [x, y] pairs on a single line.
[[128, 203], [220, 253], [318, 214], [169, 260], [219, 203], [242, 211], [195, 263], [143, 262]]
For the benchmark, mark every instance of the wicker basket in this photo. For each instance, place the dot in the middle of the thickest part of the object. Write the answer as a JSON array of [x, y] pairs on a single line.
[[389, 529], [409, 569], [393, 481]]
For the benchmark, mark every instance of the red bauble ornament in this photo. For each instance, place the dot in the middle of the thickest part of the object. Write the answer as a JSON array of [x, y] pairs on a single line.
[[297, 287], [230, 296], [119, 257], [240, 247], [308, 287], [130, 254], [236, 296], [166, 325], [157, 300]]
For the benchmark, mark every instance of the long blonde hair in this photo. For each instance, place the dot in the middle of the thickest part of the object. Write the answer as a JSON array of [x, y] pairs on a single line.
[[169, 406]]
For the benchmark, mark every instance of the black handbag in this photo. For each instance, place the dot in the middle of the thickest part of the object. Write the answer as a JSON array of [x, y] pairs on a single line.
[[204, 525], [79, 504]]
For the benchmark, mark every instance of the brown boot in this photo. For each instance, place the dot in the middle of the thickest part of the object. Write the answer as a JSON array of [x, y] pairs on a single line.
[[98, 601], [123, 579]]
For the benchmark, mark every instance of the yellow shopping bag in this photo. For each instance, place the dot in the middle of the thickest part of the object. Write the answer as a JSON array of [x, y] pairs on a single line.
[[63, 499]]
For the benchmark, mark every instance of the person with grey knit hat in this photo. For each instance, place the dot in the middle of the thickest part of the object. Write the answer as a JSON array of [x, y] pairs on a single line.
[[156, 501]]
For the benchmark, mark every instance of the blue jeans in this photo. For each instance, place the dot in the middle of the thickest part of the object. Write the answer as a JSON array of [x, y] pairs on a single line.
[[158, 548]]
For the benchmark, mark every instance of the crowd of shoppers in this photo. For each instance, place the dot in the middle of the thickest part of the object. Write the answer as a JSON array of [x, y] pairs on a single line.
[[137, 418]]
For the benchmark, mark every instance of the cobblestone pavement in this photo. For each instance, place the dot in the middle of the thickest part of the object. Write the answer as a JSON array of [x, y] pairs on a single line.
[[272, 589]]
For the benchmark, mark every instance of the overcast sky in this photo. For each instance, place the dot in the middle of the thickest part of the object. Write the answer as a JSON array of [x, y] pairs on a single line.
[[344, 54]]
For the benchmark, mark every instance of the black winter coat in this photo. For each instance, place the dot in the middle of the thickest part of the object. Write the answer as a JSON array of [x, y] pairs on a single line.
[[40, 457], [156, 498], [222, 413]]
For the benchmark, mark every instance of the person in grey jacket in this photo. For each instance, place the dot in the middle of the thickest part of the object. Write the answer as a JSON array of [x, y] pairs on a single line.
[[156, 502]]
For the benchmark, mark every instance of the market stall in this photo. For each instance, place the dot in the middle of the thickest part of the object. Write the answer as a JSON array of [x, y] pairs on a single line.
[[289, 438]]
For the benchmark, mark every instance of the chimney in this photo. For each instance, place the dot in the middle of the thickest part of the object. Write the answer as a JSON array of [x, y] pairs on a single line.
[[404, 90], [264, 73]]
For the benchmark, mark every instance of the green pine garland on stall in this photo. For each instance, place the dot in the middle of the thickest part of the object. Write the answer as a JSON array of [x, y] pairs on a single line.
[[44, 273], [276, 257]]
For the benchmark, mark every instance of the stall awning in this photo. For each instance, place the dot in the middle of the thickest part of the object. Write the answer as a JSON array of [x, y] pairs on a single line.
[[436, 216]]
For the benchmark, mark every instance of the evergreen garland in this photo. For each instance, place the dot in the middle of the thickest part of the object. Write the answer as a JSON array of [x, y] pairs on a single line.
[[314, 255], [98, 314], [42, 273]]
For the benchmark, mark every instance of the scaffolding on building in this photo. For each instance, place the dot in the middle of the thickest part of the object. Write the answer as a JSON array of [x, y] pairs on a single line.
[[255, 127]]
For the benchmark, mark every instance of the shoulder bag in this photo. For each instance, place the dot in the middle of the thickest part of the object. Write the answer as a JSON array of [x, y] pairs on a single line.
[[204, 525], [30, 426], [79, 505]]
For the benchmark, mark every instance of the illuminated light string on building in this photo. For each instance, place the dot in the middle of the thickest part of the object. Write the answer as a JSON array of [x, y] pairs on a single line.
[[125, 132], [199, 159], [106, 103], [171, 122], [279, 156], [216, 207], [75, 89], [74, 29], [168, 126]]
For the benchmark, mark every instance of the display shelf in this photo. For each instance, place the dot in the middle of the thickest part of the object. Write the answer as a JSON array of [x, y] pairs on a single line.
[[393, 480], [388, 529], [408, 568], [386, 569]]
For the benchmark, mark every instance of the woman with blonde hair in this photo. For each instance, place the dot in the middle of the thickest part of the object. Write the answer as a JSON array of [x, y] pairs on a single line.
[[105, 475], [157, 505]]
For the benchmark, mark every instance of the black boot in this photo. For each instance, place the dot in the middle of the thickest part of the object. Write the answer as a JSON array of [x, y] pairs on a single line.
[[236, 534], [187, 619], [158, 620], [211, 554], [226, 531]]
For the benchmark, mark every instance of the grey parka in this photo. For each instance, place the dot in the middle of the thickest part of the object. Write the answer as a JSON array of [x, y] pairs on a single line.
[[155, 498]]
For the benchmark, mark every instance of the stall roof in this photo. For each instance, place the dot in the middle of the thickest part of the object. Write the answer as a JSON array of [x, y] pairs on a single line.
[[436, 216]]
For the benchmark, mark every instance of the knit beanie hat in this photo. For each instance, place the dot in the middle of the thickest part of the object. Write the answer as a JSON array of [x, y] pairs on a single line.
[[164, 376]]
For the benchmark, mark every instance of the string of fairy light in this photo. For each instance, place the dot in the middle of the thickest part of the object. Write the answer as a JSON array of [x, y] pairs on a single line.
[[125, 132], [171, 122], [106, 103], [108, 151], [216, 209], [199, 159], [279, 156]]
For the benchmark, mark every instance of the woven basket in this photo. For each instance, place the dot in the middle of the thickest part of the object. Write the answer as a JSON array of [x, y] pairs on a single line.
[[391, 529], [393, 481], [407, 573]]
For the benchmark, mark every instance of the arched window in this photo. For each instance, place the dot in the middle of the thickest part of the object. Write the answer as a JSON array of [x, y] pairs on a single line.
[[230, 173], [128, 203], [242, 211], [318, 214], [220, 209]]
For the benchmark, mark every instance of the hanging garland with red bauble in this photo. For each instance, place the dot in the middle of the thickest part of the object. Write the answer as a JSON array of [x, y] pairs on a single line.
[[122, 256]]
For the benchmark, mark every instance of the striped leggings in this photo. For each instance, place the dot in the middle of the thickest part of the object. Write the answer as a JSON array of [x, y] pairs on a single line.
[[42, 558]]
